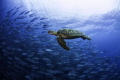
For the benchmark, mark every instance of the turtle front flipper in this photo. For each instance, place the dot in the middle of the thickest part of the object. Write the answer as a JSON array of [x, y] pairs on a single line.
[[62, 43]]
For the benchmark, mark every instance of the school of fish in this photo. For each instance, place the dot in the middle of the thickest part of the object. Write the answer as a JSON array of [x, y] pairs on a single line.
[[27, 52]]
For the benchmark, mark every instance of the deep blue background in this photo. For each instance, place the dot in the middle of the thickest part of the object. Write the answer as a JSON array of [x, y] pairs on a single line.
[[105, 40]]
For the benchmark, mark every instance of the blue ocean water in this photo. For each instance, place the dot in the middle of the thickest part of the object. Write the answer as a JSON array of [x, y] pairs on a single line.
[[28, 52]]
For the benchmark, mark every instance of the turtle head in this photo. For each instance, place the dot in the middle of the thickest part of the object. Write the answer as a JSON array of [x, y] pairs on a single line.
[[52, 32]]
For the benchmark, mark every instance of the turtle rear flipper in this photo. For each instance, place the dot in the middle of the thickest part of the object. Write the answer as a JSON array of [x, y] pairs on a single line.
[[85, 37], [62, 43]]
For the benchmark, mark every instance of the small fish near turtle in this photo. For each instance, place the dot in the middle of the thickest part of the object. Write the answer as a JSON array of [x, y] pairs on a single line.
[[67, 34]]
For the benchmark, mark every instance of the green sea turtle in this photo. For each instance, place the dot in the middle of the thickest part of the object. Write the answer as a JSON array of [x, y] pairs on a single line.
[[67, 34]]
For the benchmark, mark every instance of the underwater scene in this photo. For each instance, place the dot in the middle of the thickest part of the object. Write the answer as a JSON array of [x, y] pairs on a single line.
[[59, 39]]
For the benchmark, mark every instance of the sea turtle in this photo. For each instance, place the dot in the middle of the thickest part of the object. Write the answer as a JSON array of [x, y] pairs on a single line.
[[67, 34]]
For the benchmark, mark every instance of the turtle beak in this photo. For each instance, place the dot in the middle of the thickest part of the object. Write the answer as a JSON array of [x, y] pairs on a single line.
[[50, 32]]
